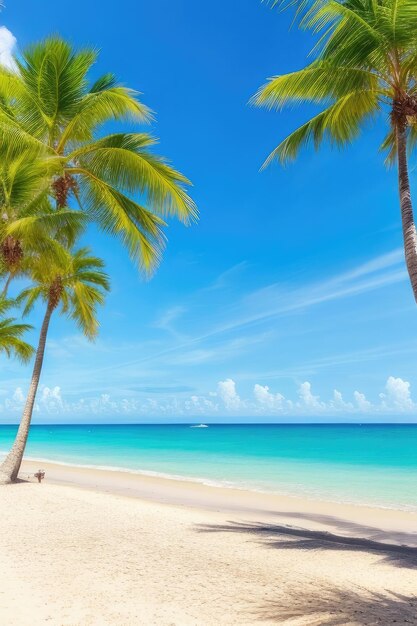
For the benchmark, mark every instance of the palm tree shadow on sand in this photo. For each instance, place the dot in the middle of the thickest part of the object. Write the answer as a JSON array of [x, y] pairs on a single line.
[[337, 607], [284, 537], [321, 605], [378, 535]]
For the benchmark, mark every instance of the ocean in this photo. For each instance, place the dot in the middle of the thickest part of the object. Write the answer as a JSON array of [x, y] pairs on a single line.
[[362, 464]]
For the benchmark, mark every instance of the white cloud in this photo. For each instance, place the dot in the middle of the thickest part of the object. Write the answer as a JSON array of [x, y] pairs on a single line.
[[7, 45], [362, 403], [267, 399], [200, 405], [308, 400], [339, 403], [49, 400], [18, 397], [226, 390], [54, 394], [397, 395]]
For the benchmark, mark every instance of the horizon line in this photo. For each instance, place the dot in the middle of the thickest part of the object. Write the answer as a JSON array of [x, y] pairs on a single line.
[[363, 423]]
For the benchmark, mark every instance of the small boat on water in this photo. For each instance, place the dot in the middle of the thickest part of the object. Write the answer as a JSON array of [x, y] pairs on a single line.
[[199, 426]]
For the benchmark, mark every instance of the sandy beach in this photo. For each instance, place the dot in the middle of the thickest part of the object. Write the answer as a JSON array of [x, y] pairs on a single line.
[[91, 547]]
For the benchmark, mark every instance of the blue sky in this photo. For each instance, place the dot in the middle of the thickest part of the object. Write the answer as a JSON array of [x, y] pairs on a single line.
[[289, 300]]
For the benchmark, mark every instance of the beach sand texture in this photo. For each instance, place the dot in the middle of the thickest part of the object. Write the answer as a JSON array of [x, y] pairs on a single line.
[[74, 556]]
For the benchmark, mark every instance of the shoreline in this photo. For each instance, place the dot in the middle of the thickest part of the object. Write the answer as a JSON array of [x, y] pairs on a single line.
[[359, 521], [208, 482]]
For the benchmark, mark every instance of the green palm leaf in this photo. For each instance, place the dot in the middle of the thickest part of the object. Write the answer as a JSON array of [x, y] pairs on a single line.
[[98, 107], [83, 284], [318, 83], [139, 229], [123, 160], [339, 123], [11, 333]]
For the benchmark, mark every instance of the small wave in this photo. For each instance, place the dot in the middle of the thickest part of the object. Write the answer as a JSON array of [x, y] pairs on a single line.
[[299, 493], [139, 472]]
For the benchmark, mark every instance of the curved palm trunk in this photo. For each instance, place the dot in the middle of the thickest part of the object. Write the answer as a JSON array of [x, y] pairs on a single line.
[[409, 227], [11, 465], [7, 285]]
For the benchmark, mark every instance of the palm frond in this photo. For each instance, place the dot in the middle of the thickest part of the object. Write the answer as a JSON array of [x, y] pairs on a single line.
[[339, 123], [319, 82], [100, 106], [11, 333], [123, 160], [85, 286], [55, 76], [29, 296], [139, 229], [106, 81], [41, 232]]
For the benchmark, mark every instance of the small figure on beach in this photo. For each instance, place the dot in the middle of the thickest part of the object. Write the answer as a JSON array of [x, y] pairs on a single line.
[[40, 475]]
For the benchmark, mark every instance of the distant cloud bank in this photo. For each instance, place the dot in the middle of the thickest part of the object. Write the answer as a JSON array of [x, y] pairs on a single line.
[[225, 402]]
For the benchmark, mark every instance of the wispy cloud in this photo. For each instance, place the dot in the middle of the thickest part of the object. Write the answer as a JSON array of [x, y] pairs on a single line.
[[165, 321], [226, 278], [279, 300], [334, 360]]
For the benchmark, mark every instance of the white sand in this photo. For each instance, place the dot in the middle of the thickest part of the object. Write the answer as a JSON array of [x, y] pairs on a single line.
[[77, 556]]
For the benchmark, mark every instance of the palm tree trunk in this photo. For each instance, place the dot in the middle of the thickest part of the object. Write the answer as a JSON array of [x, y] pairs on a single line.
[[11, 465], [409, 227], [7, 285]]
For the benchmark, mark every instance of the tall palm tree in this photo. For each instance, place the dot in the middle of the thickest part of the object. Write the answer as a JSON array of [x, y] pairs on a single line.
[[11, 333], [49, 105], [365, 66], [76, 286]]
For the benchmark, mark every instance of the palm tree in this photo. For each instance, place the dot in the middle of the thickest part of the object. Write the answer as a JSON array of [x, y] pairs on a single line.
[[76, 286], [11, 332], [366, 65], [49, 106]]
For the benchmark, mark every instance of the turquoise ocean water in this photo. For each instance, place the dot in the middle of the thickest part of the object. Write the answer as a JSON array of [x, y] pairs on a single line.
[[368, 464]]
